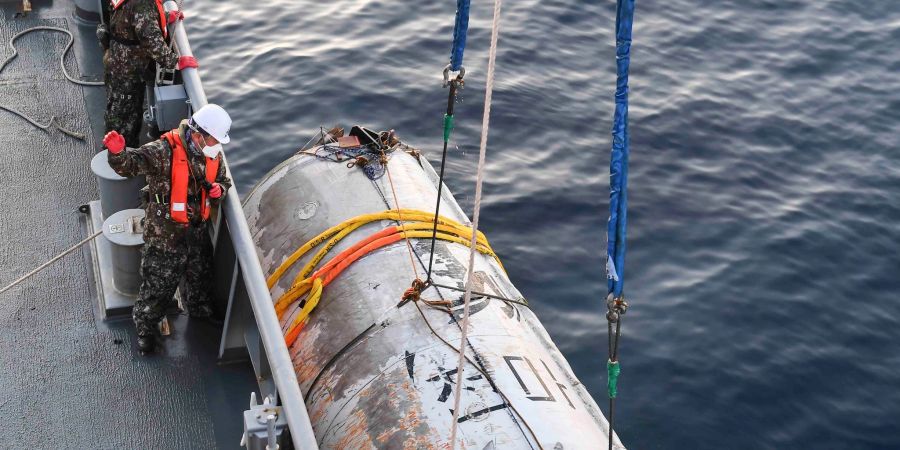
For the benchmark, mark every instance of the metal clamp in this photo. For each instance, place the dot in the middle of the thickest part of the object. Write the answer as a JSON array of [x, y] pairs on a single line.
[[459, 76], [616, 307], [263, 424]]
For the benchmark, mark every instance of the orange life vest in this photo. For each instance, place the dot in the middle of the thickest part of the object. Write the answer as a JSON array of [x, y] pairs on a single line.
[[163, 18], [181, 172]]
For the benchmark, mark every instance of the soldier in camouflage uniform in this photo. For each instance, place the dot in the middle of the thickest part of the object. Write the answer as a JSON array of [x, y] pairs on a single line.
[[137, 39], [174, 250]]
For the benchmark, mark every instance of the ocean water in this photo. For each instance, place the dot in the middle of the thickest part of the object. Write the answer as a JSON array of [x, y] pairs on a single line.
[[763, 269]]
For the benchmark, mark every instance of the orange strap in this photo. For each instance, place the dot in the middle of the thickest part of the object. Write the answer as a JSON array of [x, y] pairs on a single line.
[[163, 19], [212, 169], [341, 262]]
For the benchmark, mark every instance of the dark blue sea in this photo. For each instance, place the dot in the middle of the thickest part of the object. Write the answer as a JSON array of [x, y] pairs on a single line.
[[763, 269]]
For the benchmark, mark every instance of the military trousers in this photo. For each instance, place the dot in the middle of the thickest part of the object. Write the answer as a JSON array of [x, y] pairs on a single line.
[[125, 109], [163, 268], [125, 91]]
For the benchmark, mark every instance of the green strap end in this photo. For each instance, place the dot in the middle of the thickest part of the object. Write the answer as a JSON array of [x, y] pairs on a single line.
[[448, 127], [612, 369]]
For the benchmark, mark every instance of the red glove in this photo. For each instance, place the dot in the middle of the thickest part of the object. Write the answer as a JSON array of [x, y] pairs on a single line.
[[174, 16], [114, 142], [186, 62], [215, 191]]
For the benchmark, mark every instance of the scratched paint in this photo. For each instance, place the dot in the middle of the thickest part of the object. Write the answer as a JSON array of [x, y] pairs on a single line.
[[374, 374]]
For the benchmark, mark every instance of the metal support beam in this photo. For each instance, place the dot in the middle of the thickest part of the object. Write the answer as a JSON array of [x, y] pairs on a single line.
[[282, 369]]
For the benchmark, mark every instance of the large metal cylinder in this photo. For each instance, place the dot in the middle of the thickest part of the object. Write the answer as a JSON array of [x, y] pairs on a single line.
[[116, 192], [125, 232], [372, 371]]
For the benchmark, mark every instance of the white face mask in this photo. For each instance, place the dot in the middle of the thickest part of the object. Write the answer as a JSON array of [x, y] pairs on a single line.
[[211, 151]]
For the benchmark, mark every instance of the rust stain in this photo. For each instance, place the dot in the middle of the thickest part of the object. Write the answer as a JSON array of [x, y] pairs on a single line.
[[319, 408], [354, 436], [321, 401], [417, 442], [388, 414], [306, 370]]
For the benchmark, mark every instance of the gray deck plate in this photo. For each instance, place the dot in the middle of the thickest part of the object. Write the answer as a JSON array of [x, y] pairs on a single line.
[[68, 379]]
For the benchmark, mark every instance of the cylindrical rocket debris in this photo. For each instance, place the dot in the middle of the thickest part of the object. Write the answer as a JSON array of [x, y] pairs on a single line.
[[372, 371]]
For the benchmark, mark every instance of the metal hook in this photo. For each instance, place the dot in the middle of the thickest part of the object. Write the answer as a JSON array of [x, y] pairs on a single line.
[[459, 76]]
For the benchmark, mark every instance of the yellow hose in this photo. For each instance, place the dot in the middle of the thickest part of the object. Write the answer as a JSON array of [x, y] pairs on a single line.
[[457, 230], [406, 214], [303, 286], [307, 282]]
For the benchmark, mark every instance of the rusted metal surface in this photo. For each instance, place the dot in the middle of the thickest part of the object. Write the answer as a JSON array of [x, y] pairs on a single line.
[[373, 374]]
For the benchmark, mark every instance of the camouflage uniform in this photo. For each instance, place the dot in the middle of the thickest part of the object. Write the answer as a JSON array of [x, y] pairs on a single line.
[[171, 250], [130, 67]]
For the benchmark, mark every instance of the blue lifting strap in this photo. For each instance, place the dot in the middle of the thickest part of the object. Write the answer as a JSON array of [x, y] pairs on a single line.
[[618, 166], [459, 35]]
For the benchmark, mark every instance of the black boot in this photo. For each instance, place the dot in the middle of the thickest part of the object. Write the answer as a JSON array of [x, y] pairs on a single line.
[[146, 344]]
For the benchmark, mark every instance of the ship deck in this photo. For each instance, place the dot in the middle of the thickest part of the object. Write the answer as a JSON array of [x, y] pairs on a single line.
[[70, 378]]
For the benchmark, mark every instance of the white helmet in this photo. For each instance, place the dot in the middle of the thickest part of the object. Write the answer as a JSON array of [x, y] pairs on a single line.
[[214, 121]]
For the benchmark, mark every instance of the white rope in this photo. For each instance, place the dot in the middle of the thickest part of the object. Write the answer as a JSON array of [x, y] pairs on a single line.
[[56, 258], [488, 91], [53, 120], [62, 57]]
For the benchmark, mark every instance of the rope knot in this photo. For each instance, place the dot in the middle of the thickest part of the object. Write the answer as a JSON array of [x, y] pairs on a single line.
[[360, 161], [414, 293]]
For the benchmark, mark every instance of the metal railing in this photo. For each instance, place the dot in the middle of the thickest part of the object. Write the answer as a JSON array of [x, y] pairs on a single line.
[[251, 326]]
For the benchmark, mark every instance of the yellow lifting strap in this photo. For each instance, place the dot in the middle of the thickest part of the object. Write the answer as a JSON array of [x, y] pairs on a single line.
[[346, 227], [311, 282]]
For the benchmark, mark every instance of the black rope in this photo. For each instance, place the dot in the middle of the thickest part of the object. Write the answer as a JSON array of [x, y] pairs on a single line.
[[616, 308], [451, 100], [612, 410], [482, 294], [613, 356]]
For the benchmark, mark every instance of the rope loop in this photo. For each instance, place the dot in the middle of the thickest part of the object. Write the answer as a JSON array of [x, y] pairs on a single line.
[[360, 161], [414, 293]]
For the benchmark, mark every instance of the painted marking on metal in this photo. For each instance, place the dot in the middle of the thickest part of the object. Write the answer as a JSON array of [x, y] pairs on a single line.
[[480, 412], [562, 387], [445, 393], [410, 363], [547, 398], [448, 375], [509, 360]]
